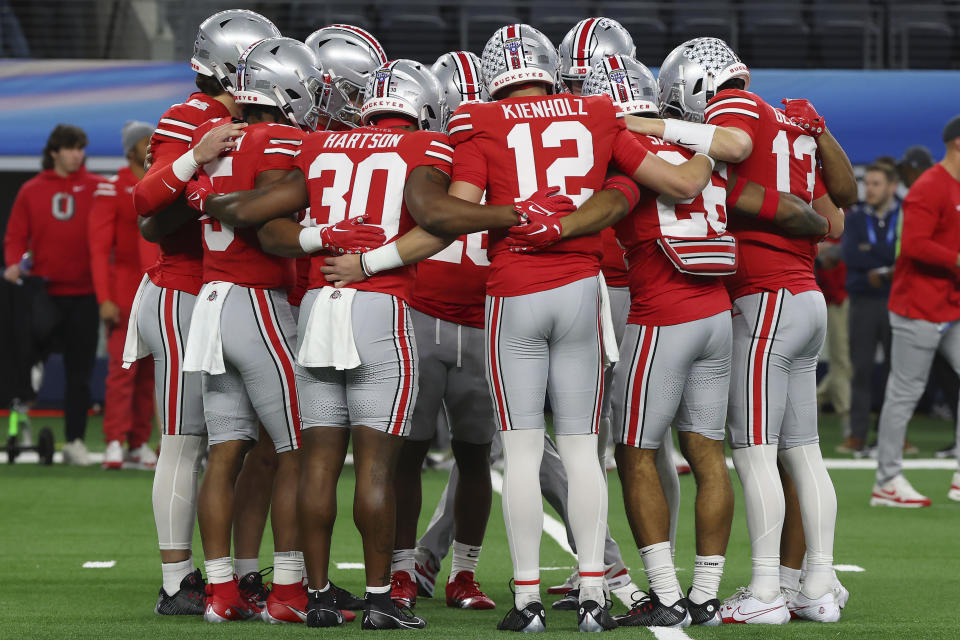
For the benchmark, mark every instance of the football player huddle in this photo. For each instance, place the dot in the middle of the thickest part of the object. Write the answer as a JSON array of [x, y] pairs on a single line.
[[355, 250]]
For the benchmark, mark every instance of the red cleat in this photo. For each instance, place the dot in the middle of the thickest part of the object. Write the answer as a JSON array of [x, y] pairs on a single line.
[[403, 590], [287, 603], [465, 593], [225, 604]]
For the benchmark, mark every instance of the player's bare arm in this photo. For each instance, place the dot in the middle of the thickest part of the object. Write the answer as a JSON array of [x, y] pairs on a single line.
[[793, 215], [258, 206], [413, 246], [281, 237], [679, 181], [155, 228], [726, 144], [825, 207], [837, 170], [601, 210], [431, 205]]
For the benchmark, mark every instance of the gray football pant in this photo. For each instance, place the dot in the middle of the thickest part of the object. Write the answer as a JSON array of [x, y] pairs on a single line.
[[915, 343]]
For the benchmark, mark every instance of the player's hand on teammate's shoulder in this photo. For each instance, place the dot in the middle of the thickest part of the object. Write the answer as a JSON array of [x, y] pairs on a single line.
[[216, 141]]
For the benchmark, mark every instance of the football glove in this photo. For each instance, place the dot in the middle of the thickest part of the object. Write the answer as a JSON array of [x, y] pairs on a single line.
[[802, 114], [539, 225]]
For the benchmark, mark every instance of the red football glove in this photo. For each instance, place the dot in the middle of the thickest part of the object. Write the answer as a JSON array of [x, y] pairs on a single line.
[[198, 189], [539, 221], [802, 113], [352, 236]]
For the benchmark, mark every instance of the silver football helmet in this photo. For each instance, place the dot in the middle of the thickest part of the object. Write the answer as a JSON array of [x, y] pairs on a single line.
[[589, 41], [409, 88], [460, 76], [282, 72], [222, 38], [348, 55], [628, 82], [691, 73], [518, 54]]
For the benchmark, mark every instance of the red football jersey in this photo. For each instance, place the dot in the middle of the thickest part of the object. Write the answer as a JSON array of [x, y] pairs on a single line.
[[235, 255], [363, 172], [452, 284], [180, 265], [515, 146], [660, 294], [614, 260], [784, 158]]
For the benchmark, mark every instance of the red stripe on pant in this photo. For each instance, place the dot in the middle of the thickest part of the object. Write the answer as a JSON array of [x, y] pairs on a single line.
[[760, 355], [283, 358], [637, 379], [406, 365], [170, 323], [495, 364]]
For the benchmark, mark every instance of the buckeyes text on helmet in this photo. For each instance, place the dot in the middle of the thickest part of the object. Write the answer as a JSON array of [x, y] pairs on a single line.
[[406, 88], [519, 54]]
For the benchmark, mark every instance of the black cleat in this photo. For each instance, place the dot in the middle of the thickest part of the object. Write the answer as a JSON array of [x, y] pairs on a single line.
[[381, 613], [252, 587], [569, 602], [593, 617], [530, 619], [188, 601], [706, 614], [648, 611], [346, 600], [323, 610]]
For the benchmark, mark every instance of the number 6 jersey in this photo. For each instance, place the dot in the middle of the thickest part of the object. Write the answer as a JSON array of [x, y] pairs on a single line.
[[516, 146], [783, 158]]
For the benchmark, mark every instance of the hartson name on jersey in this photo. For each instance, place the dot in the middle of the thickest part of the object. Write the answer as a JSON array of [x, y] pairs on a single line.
[[553, 108], [362, 140]]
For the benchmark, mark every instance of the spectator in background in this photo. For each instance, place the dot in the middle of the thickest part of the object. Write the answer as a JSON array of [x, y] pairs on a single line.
[[831, 276], [914, 162], [49, 219], [870, 236], [116, 266]]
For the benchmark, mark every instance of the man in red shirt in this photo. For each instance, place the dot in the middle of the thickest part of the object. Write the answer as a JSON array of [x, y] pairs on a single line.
[[924, 310], [115, 262], [49, 220]]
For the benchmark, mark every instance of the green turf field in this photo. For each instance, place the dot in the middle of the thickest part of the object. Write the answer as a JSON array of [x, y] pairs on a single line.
[[55, 519]]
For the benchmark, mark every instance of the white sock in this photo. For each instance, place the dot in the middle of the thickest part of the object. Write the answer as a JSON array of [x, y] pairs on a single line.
[[174, 573], [404, 560], [375, 590], [465, 558], [818, 506], [707, 573], [175, 489], [246, 565], [326, 588], [219, 570], [586, 509], [523, 509], [670, 481], [763, 498], [287, 567], [789, 579], [662, 575]]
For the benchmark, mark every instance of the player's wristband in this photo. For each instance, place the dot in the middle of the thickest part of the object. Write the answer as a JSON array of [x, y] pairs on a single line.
[[735, 193], [626, 186], [381, 259], [771, 200], [185, 166], [693, 136], [311, 238], [713, 163]]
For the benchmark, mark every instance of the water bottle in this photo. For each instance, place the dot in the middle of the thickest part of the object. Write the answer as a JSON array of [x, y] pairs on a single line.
[[26, 263]]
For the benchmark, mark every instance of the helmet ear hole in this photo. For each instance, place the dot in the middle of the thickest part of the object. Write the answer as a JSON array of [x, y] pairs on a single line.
[[698, 86], [293, 94]]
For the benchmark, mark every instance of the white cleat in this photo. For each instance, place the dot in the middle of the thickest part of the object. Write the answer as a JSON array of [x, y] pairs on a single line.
[[113, 456], [840, 592], [822, 609], [143, 456], [745, 608], [898, 493], [76, 453], [572, 582], [954, 492]]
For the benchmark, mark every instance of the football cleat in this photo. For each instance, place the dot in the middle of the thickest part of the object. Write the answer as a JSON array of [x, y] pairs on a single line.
[[188, 601], [570, 583], [463, 592], [383, 613], [287, 603], [347, 601], [705, 614], [425, 571], [323, 609], [840, 592], [822, 609], [745, 608], [225, 603], [113, 456], [253, 588], [592, 617], [569, 602], [954, 492], [143, 457], [403, 590], [683, 467], [648, 611], [898, 493], [531, 619]]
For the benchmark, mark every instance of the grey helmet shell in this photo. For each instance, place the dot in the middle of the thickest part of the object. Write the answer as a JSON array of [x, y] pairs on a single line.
[[221, 39]]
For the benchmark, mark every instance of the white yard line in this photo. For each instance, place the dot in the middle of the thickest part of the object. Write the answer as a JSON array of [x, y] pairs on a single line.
[[99, 564], [851, 568]]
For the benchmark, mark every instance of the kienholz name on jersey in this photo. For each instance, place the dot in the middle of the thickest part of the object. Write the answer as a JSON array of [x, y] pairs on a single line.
[[361, 140], [554, 108]]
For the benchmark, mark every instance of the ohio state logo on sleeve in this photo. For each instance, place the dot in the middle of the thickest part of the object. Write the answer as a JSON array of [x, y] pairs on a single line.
[[62, 206]]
